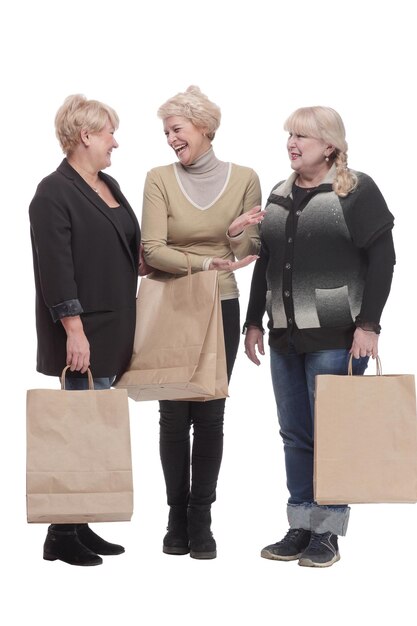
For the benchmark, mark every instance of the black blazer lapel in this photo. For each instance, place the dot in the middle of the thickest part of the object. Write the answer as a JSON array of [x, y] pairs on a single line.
[[70, 173]]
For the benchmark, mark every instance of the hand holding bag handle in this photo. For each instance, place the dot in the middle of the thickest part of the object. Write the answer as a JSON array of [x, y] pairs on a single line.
[[378, 366], [89, 374]]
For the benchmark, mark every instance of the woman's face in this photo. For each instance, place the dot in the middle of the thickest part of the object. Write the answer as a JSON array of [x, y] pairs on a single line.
[[307, 154], [188, 141], [101, 146]]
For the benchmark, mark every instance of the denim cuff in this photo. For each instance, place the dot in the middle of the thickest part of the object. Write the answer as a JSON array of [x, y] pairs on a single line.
[[319, 519], [69, 308]]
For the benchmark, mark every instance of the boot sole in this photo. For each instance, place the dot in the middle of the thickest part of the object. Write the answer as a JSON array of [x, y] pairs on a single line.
[[310, 563], [178, 551], [265, 554], [52, 557], [203, 555]]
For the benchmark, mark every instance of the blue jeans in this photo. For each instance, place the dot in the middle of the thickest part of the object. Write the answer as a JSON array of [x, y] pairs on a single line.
[[293, 380]]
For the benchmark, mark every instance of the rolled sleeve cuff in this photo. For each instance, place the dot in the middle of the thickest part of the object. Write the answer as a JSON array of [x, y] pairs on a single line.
[[69, 308]]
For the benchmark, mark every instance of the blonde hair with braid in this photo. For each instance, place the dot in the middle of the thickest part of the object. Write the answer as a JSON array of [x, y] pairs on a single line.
[[326, 124]]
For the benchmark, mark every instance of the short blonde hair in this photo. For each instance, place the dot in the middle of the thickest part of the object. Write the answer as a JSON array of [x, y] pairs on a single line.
[[196, 107], [326, 124], [78, 113]]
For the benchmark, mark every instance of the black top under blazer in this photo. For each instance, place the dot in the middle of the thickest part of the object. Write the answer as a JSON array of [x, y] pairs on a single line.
[[84, 265]]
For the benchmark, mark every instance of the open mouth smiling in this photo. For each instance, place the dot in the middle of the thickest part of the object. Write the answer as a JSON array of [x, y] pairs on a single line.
[[180, 149]]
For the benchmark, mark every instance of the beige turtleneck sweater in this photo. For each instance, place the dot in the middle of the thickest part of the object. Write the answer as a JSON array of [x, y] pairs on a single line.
[[190, 208]]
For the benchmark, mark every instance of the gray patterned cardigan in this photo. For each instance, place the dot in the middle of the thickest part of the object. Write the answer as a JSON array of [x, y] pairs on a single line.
[[319, 270]]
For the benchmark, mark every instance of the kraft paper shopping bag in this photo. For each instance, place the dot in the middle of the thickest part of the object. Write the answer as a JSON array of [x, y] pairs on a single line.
[[179, 351], [365, 439], [79, 466]]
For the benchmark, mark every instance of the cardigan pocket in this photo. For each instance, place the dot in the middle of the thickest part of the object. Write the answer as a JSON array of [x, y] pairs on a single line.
[[333, 307], [275, 310]]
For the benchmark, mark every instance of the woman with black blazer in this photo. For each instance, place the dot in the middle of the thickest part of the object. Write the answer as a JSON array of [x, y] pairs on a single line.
[[85, 241]]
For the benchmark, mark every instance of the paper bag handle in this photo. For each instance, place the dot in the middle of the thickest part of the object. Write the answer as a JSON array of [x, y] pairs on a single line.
[[187, 256], [188, 275], [377, 362], [89, 374]]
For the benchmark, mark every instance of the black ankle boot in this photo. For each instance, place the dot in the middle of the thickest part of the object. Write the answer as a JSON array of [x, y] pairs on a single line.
[[64, 545], [202, 543], [95, 543], [176, 539]]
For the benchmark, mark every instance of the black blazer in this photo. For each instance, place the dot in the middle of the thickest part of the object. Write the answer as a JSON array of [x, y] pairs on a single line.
[[84, 265]]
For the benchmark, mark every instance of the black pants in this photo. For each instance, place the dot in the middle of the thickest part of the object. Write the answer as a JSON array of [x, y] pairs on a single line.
[[176, 417]]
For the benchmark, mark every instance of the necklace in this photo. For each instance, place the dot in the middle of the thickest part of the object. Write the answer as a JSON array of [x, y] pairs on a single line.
[[85, 174]]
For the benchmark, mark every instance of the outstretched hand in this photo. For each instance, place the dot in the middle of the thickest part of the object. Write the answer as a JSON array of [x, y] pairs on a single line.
[[250, 218], [224, 264]]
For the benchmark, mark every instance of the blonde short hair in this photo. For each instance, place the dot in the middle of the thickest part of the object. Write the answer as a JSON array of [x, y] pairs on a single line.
[[326, 124], [78, 113], [196, 107]]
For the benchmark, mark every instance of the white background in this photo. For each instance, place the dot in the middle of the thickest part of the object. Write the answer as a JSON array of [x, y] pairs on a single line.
[[259, 61]]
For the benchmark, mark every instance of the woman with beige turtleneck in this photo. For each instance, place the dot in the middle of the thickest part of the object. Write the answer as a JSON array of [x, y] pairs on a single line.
[[211, 210]]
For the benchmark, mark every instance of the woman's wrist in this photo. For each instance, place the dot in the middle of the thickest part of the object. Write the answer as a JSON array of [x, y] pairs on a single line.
[[370, 327], [230, 236]]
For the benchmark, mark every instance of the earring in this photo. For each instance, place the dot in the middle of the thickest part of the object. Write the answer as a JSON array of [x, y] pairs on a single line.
[[326, 159]]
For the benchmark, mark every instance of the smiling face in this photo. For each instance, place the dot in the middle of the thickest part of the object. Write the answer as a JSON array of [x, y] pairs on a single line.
[[188, 141], [101, 146], [308, 156]]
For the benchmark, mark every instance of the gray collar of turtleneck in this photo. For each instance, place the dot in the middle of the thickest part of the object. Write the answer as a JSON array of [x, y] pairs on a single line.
[[204, 181]]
